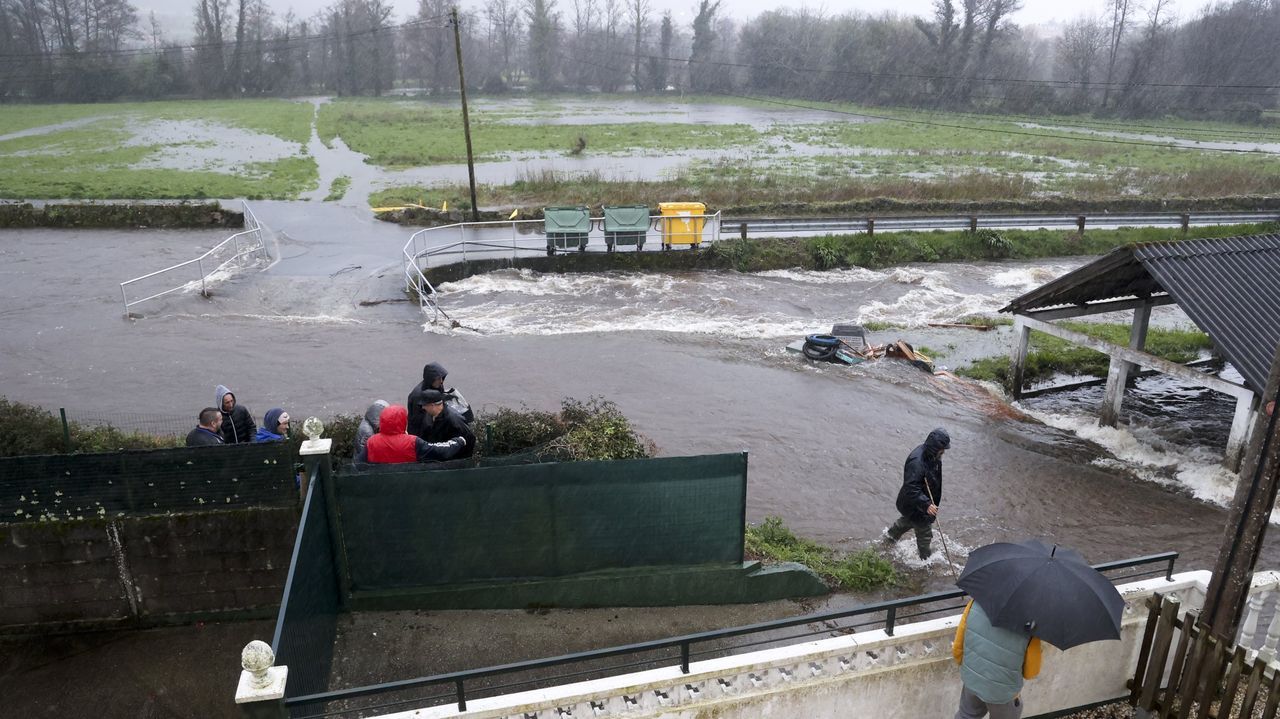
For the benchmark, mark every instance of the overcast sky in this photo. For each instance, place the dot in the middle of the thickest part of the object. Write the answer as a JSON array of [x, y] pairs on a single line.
[[175, 15]]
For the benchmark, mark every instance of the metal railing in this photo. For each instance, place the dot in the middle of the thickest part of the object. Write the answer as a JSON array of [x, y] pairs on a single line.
[[246, 243], [516, 238], [888, 614], [817, 225]]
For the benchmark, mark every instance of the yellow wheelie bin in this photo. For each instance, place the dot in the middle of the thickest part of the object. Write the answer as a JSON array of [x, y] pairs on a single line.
[[682, 223]]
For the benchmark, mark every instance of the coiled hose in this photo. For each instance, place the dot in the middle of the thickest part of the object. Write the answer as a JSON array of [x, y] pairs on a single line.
[[822, 348]]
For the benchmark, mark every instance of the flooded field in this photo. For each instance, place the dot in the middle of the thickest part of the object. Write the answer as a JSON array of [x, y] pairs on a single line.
[[697, 360]]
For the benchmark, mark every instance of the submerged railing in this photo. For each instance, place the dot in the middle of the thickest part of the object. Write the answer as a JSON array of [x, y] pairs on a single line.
[[202, 270], [465, 241]]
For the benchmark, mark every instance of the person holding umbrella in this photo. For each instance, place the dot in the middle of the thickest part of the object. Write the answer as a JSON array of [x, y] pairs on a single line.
[[1024, 592], [921, 492]]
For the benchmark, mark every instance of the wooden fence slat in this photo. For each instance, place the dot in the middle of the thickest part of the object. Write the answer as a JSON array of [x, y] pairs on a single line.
[[1180, 659], [1251, 689], [1200, 643], [1155, 604], [1273, 697], [1215, 662], [1159, 653], [1232, 684]]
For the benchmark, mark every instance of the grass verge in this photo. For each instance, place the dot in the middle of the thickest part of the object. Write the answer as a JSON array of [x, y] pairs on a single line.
[[1048, 355], [338, 189], [861, 571]]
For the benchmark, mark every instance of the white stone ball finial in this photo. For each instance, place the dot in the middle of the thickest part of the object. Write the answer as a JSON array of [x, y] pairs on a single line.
[[256, 659], [313, 427]]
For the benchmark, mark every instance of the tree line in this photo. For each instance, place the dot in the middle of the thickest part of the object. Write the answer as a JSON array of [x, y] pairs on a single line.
[[1134, 59]]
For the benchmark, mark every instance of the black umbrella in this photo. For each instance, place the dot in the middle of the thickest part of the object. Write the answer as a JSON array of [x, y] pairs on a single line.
[[1069, 601]]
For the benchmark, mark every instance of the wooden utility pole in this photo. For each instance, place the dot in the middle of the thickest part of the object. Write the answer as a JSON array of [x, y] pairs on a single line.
[[1247, 520], [466, 119]]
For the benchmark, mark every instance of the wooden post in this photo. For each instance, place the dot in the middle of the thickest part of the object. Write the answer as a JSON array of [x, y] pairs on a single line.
[[1118, 371], [1248, 518], [973, 223], [466, 119], [742, 230], [1018, 355], [871, 227], [1080, 224], [1186, 222]]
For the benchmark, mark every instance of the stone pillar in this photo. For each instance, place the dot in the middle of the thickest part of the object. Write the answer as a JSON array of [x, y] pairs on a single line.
[[260, 694], [1118, 371], [1018, 355]]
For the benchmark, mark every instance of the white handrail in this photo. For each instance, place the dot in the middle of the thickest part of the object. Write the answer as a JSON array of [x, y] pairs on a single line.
[[257, 246], [419, 250]]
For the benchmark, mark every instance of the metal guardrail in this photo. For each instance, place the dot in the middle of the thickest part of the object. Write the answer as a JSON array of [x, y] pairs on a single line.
[[507, 238], [782, 226], [892, 611], [246, 243]]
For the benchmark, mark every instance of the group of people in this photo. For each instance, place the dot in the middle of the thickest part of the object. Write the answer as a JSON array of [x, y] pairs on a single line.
[[434, 425], [229, 422]]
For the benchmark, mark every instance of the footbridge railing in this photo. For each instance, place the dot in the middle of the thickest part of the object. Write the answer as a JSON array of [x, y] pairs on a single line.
[[465, 241], [237, 251]]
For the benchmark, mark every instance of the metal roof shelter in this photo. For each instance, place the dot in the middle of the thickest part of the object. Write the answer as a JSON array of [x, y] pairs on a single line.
[[1227, 286]]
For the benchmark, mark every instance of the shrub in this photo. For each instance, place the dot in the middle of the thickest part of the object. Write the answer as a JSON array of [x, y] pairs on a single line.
[[595, 429], [28, 429], [861, 571]]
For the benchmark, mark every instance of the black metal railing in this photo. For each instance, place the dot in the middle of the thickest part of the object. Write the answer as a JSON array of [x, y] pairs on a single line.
[[894, 613]]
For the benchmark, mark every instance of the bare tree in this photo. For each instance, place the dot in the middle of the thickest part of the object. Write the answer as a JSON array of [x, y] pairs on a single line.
[[1119, 12], [504, 16], [544, 27], [1079, 51], [639, 19]]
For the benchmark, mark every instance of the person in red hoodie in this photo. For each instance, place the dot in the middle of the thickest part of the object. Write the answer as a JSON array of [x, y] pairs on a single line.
[[391, 445]]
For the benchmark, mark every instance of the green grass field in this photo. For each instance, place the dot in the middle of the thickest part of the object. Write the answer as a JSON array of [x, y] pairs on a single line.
[[399, 133], [852, 153], [102, 159]]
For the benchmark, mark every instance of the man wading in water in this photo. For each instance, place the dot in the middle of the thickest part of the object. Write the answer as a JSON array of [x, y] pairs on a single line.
[[921, 492]]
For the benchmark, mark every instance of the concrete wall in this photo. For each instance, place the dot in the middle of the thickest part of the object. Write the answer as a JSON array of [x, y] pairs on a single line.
[[910, 674], [143, 570]]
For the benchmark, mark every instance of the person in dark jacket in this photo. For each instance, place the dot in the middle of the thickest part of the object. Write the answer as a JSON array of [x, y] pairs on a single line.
[[391, 445], [206, 432], [237, 423], [921, 492], [433, 374], [369, 425], [275, 426], [444, 422]]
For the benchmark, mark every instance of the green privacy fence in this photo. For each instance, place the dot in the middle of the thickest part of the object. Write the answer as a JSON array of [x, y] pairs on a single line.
[[142, 482], [421, 527]]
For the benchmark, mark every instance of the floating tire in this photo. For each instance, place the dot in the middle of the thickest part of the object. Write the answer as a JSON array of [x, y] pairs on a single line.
[[821, 348]]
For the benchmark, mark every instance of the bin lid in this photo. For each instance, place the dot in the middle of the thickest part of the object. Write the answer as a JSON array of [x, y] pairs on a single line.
[[669, 208], [626, 218], [567, 219]]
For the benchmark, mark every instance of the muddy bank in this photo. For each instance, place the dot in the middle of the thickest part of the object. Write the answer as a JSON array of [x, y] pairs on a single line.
[[119, 215]]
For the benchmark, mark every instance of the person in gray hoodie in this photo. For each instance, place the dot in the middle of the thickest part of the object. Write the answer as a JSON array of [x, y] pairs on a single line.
[[237, 423], [369, 425]]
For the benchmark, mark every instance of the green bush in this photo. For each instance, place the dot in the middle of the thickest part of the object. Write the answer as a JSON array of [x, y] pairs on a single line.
[[595, 429], [861, 571], [27, 429]]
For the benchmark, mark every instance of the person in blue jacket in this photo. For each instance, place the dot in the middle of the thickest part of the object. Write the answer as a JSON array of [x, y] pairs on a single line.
[[275, 426], [921, 492]]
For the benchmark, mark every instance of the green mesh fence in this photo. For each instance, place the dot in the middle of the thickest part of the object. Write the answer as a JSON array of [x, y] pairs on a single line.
[[306, 626], [139, 482], [420, 527]]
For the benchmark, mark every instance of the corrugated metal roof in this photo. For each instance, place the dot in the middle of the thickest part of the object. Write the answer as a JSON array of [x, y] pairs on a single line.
[[1229, 287]]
